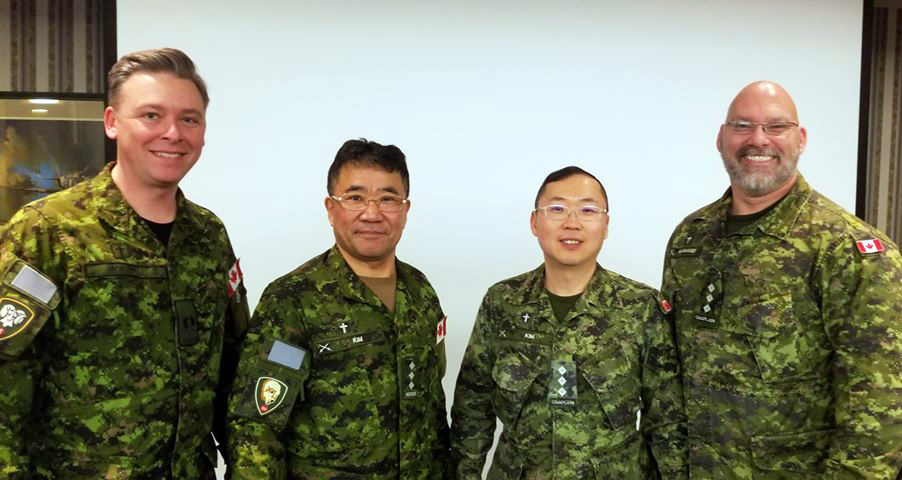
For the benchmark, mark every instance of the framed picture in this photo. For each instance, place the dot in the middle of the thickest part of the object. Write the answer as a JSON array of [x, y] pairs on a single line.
[[47, 144]]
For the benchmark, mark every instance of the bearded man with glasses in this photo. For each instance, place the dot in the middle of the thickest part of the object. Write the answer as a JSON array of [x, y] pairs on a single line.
[[354, 339], [787, 311], [566, 356]]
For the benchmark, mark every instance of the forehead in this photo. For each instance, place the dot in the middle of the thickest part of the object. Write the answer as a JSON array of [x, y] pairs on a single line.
[[762, 105], [162, 88], [368, 178], [575, 188]]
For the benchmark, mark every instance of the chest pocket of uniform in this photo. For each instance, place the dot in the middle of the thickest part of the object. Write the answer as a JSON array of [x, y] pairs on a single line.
[[513, 373], [612, 379], [341, 401], [783, 348]]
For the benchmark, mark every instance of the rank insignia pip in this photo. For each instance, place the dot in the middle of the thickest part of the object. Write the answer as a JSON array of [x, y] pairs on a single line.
[[269, 394], [14, 316], [872, 245]]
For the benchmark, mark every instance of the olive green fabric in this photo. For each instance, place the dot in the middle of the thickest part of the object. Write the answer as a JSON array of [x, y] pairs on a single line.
[[568, 392], [791, 342], [561, 305], [123, 380], [369, 405]]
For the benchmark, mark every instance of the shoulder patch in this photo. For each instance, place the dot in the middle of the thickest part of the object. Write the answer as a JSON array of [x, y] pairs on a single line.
[[665, 306], [269, 394], [14, 317], [441, 330], [235, 277], [871, 245]]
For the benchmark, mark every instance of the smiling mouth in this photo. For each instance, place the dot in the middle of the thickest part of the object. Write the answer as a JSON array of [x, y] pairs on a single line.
[[571, 242], [758, 158], [168, 154]]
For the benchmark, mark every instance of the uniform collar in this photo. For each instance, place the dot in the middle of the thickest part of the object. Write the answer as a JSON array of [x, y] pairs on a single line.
[[117, 213], [532, 290], [778, 222], [351, 286]]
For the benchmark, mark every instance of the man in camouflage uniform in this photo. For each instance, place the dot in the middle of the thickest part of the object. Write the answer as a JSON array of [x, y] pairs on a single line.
[[788, 316], [341, 378], [110, 367], [565, 356]]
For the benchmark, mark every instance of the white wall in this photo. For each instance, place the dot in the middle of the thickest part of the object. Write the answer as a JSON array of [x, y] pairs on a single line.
[[486, 98]]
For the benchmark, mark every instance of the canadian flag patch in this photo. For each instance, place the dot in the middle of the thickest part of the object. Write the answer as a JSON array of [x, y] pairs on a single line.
[[665, 306], [441, 330], [869, 246], [235, 277]]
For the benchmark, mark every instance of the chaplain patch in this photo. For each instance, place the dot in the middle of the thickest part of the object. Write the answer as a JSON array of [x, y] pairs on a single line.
[[14, 316], [270, 393]]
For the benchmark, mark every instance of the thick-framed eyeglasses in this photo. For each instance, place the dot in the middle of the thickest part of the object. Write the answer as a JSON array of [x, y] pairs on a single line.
[[742, 127], [355, 202], [585, 213]]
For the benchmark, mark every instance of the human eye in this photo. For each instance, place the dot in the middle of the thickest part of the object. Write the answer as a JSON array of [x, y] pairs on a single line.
[[555, 209], [389, 200], [191, 120], [740, 126], [588, 211], [352, 197], [150, 115], [776, 128]]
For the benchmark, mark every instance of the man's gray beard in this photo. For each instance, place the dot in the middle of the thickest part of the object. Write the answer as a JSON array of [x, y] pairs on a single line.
[[758, 185]]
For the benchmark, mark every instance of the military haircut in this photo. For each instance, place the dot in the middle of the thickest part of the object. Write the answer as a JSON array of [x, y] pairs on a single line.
[[567, 172], [156, 60], [364, 152]]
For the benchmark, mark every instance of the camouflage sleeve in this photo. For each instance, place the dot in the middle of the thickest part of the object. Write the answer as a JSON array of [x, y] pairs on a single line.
[[861, 298], [236, 325], [24, 243], [253, 442], [663, 415], [472, 417]]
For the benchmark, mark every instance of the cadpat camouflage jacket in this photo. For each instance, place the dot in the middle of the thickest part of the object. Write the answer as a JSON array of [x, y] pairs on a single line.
[[568, 392], [332, 385], [790, 334], [110, 362]]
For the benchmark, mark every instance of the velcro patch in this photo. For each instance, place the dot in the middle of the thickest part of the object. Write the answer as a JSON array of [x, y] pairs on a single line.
[[287, 355], [33, 284], [14, 317]]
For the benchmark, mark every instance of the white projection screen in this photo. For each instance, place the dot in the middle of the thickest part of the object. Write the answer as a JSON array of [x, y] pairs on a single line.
[[486, 98]]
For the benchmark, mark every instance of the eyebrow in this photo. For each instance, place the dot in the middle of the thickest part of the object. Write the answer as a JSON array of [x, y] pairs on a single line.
[[156, 106], [581, 200], [359, 188]]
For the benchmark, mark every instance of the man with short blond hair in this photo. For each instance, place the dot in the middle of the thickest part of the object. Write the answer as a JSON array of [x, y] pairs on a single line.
[[788, 316], [132, 301]]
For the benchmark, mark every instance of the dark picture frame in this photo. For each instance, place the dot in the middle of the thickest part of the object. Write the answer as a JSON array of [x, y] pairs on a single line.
[[48, 142]]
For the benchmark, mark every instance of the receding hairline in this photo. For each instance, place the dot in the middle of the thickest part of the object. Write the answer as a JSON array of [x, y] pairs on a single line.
[[765, 88]]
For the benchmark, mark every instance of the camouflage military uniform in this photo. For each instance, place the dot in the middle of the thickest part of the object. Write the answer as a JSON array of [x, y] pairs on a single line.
[[360, 394], [791, 342], [119, 380], [568, 392]]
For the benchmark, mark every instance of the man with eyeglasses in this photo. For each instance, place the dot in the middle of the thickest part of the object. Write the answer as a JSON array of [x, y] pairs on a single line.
[[566, 356], [788, 320], [354, 338]]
